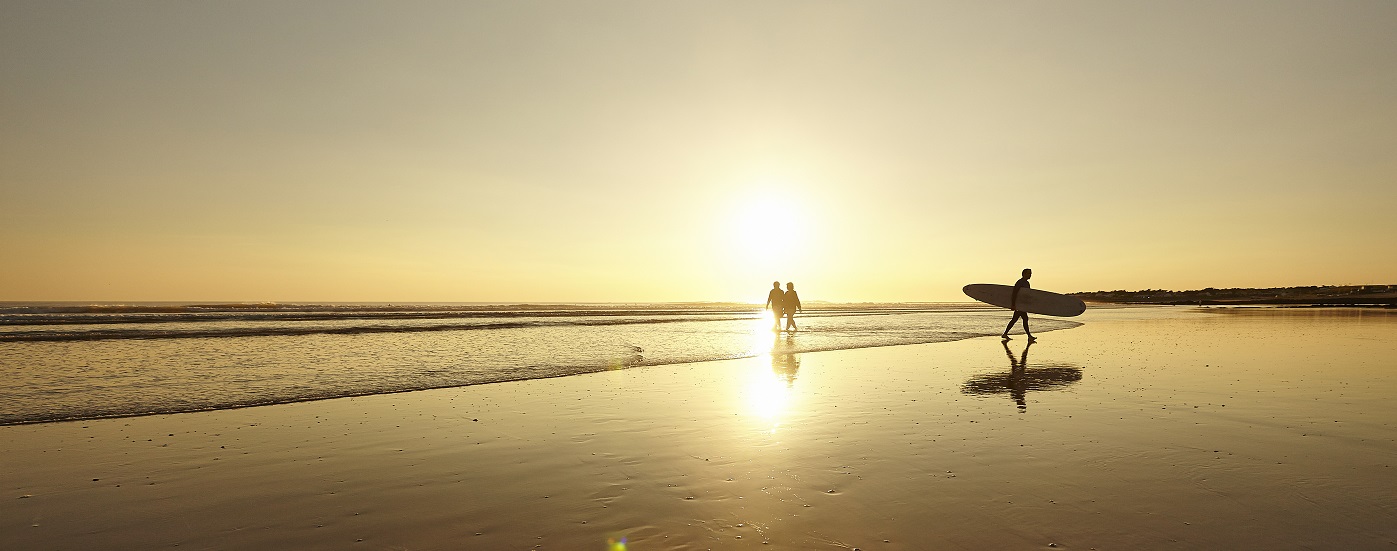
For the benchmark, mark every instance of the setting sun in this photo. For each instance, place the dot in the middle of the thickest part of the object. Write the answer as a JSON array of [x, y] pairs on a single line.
[[769, 228]]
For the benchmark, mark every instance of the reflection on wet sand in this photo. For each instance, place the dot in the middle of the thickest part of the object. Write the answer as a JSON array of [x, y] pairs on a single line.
[[1020, 379], [784, 362], [768, 392]]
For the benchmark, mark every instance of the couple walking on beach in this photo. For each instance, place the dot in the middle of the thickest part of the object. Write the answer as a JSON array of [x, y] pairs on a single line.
[[785, 303]]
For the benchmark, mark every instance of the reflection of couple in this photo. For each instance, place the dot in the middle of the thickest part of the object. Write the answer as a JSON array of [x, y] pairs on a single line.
[[784, 362], [783, 303]]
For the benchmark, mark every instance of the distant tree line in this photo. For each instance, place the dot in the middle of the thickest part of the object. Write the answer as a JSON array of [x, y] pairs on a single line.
[[1325, 295]]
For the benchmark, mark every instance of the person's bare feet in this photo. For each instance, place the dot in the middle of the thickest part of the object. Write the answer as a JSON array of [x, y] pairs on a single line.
[[1032, 338]]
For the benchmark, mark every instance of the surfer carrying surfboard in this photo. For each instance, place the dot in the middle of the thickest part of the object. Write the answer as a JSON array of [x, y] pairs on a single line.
[[1024, 300], [1022, 283], [775, 300]]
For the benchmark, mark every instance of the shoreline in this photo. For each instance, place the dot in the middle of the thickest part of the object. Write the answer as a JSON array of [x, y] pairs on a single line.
[[461, 374], [1237, 436]]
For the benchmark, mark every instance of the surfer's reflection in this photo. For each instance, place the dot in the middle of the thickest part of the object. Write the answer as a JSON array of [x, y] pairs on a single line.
[[1021, 378], [784, 361]]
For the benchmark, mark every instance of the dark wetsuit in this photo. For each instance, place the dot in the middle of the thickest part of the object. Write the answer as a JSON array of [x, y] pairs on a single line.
[[1019, 314]]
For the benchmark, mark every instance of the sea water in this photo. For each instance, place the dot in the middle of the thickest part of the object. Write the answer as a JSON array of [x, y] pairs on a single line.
[[79, 361]]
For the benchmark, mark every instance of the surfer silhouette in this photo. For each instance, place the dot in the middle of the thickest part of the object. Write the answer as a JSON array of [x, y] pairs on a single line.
[[1018, 384], [1022, 378], [1022, 283], [775, 300], [791, 305]]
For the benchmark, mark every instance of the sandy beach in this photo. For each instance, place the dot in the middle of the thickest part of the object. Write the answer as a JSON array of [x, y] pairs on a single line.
[[1146, 428]]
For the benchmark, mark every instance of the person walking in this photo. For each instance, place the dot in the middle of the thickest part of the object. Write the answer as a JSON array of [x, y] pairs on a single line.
[[775, 301], [1021, 284], [791, 305]]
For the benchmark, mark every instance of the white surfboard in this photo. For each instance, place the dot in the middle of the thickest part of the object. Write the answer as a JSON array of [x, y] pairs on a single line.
[[1033, 301]]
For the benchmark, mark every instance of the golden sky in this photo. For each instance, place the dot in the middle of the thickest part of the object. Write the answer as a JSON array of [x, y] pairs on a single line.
[[690, 151]]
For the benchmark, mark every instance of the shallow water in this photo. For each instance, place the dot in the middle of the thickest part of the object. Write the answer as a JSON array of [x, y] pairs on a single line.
[[78, 362]]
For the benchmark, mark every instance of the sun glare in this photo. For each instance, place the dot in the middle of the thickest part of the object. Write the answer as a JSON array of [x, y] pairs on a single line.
[[768, 229], [767, 222], [766, 393]]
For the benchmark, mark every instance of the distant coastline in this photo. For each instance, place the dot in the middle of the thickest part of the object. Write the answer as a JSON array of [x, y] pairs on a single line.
[[1328, 295]]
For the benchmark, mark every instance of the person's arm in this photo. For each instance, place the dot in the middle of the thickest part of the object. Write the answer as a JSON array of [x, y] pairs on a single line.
[[1014, 299], [799, 308]]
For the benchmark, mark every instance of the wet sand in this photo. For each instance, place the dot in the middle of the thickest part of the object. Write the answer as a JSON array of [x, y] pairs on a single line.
[[1151, 428]]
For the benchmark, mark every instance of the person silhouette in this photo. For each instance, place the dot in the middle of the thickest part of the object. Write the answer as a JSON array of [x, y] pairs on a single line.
[[791, 305], [1022, 378], [1022, 283], [1018, 384], [775, 300]]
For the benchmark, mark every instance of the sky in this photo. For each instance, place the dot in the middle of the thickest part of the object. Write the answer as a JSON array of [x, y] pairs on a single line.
[[690, 151]]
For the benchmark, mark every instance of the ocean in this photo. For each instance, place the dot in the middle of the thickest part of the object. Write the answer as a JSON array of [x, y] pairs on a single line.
[[71, 361]]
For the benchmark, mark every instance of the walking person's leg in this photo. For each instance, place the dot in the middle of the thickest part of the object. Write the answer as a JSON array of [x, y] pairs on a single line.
[[1011, 325]]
